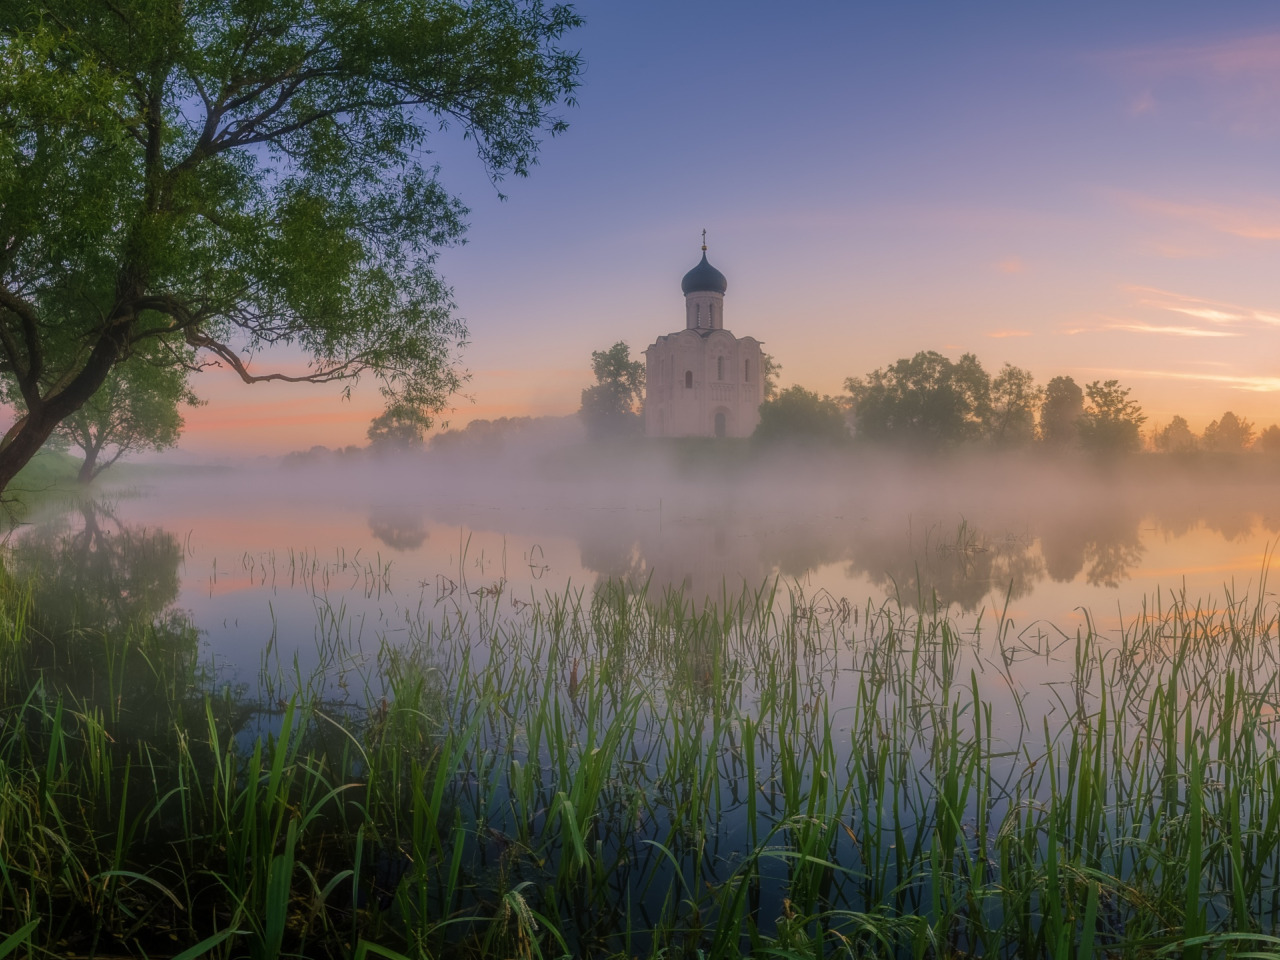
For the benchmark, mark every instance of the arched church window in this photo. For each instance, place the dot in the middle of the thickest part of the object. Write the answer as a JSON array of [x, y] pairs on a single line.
[[719, 368], [688, 379]]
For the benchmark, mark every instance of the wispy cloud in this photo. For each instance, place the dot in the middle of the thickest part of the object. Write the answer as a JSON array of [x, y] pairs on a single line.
[[1138, 327], [1249, 384], [1011, 265], [1002, 334], [1253, 56], [1211, 311], [1234, 80], [1257, 220]]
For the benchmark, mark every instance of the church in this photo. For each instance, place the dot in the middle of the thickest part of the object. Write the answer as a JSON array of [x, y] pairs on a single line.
[[702, 381]]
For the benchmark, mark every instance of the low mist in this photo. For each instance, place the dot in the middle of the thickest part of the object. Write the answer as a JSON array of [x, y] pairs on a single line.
[[543, 507]]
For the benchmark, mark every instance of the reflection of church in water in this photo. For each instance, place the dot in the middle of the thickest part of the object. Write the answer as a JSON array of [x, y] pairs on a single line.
[[702, 381]]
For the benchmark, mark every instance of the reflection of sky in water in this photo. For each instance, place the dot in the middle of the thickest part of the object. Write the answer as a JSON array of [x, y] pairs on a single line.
[[265, 555]]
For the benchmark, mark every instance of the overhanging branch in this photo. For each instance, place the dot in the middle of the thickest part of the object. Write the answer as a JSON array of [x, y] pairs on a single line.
[[342, 371]]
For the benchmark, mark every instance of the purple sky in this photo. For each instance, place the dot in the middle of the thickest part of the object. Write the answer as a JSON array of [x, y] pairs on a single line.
[[1091, 190]]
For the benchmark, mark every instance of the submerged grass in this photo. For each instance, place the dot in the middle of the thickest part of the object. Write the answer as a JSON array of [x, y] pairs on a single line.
[[630, 775]]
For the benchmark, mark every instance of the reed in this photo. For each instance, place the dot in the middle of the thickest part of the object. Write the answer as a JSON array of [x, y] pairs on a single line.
[[626, 774]]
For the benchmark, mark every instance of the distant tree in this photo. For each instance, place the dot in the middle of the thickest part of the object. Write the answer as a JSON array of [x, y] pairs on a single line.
[[926, 400], [1061, 412], [1176, 437], [797, 414], [611, 407], [1231, 434], [1268, 440], [137, 408], [398, 429], [1111, 422], [481, 436], [770, 368], [1015, 398]]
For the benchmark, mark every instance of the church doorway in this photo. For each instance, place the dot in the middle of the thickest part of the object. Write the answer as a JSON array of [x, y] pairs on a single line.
[[720, 424]]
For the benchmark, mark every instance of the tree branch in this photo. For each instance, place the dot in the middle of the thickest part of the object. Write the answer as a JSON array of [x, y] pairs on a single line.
[[227, 355], [28, 374]]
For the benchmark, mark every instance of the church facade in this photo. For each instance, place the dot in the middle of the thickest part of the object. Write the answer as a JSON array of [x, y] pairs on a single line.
[[703, 381]]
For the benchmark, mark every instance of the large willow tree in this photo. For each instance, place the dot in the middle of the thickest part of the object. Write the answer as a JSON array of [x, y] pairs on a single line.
[[215, 177]]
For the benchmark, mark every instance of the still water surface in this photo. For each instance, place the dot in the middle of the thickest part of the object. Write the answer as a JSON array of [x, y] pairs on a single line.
[[256, 554]]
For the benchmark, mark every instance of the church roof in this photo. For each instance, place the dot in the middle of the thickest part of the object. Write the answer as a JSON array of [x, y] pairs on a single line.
[[704, 277]]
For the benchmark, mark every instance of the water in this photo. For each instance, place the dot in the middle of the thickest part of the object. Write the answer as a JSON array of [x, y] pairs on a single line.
[[252, 556], [1004, 564]]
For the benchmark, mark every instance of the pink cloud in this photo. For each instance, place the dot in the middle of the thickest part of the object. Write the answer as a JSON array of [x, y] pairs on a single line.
[[1250, 384], [1216, 312], [1259, 220], [1256, 56], [1139, 327], [1002, 334], [1235, 81]]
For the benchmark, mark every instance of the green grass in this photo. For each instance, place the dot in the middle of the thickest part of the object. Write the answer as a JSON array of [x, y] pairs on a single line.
[[628, 775], [51, 473]]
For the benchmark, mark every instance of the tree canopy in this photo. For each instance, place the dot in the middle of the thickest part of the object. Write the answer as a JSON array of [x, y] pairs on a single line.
[[1269, 439], [1015, 400], [769, 369], [611, 406], [1231, 434], [926, 400], [1061, 412], [137, 408], [1111, 422], [227, 176], [1176, 437], [398, 429], [800, 415]]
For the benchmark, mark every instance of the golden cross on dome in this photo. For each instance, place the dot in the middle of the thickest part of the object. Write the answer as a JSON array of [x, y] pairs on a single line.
[[704, 241]]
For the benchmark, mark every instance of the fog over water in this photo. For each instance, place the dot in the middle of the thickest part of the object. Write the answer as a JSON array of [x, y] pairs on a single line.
[[268, 550]]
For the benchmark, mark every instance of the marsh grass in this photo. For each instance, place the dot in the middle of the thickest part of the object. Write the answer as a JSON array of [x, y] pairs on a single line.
[[631, 774]]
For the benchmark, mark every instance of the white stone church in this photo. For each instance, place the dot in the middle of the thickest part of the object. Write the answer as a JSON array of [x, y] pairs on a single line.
[[702, 381]]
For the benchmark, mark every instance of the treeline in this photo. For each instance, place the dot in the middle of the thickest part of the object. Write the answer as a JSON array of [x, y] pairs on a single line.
[[930, 402]]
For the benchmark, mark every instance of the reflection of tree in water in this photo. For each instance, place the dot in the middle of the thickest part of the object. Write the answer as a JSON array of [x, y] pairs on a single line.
[[1105, 546], [612, 558], [398, 527], [1095, 532], [103, 620], [100, 574], [699, 554], [1231, 525], [1228, 517], [960, 567], [797, 547], [1111, 562], [1063, 545]]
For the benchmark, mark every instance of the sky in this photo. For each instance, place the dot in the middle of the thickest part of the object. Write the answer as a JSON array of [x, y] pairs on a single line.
[[1089, 190]]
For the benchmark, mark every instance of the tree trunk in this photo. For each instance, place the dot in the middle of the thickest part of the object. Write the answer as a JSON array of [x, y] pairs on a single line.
[[41, 420], [87, 471], [30, 437]]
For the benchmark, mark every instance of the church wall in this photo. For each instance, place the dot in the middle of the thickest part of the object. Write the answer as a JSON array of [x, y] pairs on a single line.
[[704, 311], [721, 381]]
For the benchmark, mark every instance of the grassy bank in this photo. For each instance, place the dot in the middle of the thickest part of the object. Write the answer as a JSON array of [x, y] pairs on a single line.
[[625, 775], [50, 474]]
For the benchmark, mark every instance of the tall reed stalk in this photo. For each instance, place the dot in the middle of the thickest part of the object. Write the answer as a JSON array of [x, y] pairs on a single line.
[[626, 774]]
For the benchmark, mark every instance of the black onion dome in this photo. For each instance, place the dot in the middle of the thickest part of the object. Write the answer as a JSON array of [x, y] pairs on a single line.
[[704, 277]]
